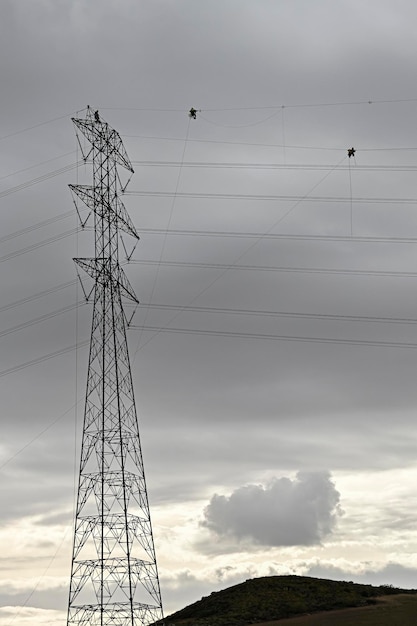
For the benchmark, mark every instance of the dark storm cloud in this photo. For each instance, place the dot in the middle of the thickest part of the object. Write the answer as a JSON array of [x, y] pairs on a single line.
[[286, 512]]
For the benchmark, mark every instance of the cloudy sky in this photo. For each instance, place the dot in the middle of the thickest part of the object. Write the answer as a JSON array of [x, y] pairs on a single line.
[[274, 352]]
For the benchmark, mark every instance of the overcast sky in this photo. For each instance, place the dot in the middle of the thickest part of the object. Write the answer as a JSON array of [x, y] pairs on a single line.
[[275, 359]]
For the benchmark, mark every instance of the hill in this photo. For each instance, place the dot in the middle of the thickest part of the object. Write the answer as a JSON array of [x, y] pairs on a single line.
[[267, 599]]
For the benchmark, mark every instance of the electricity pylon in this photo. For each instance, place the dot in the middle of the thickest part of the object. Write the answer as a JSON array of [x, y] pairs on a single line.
[[114, 576]]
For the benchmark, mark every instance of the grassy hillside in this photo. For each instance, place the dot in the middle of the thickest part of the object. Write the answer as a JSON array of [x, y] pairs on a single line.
[[396, 610], [263, 600]]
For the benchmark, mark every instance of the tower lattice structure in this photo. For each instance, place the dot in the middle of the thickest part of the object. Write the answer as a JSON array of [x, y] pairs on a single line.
[[114, 576]]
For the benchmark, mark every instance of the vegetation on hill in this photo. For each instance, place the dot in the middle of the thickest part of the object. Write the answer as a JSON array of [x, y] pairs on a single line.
[[277, 597]]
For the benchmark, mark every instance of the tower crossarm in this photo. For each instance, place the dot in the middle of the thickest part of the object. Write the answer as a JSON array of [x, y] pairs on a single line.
[[97, 200], [103, 138], [118, 613], [103, 271]]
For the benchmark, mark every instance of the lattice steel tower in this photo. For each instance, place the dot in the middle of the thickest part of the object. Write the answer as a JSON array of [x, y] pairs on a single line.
[[114, 576]]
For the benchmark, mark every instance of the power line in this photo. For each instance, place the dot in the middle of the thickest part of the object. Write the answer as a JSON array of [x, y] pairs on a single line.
[[246, 124], [279, 236], [276, 107], [39, 179], [31, 167], [274, 166], [36, 296], [314, 105], [236, 143], [29, 229], [282, 314], [41, 359], [37, 436], [41, 244], [168, 225], [24, 130], [271, 337], [271, 268], [272, 145], [274, 337], [40, 319], [280, 219], [264, 107], [276, 198], [252, 245]]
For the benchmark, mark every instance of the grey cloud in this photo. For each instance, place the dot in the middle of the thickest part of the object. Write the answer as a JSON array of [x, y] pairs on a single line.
[[183, 587], [285, 512], [390, 574], [55, 519], [55, 597], [215, 410]]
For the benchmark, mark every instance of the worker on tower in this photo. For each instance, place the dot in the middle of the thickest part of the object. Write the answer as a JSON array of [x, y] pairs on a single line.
[[351, 152], [96, 116], [193, 113]]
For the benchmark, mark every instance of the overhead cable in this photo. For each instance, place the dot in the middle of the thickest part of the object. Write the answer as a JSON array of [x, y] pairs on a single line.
[[265, 107], [41, 359], [278, 236], [281, 314], [38, 295], [273, 337], [31, 167], [39, 179], [270, 268], [267, 197], [274, 145], [274, 166], [24, 130], [38, 320], [40, 244]]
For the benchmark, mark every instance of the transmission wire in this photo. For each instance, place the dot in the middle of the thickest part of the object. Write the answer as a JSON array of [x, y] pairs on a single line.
[[247, 250], [41, 577], [351, 199], [260, 108], [271, 145], [285, 314], [273, 337], [272, 197], [31, 167], [271, 268], [24, 130], [279, 236], [274, 166], [249, 125], [39, 179], [166, 231], [36, 296], [39, 244]]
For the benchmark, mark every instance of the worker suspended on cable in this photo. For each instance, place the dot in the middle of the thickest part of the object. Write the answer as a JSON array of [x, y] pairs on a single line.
[[351, 152], [193, 113]]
